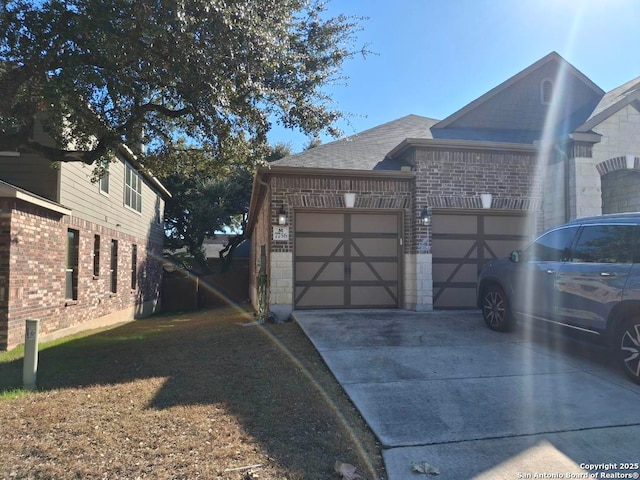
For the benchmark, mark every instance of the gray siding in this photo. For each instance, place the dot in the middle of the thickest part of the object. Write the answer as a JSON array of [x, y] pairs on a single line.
[[519, 106], [88, 203]]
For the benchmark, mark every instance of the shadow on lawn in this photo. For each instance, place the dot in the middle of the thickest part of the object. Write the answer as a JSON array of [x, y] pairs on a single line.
[[187, 346], [209, 358]]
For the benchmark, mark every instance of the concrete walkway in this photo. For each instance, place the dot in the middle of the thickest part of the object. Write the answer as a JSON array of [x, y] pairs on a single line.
[[441, 388]]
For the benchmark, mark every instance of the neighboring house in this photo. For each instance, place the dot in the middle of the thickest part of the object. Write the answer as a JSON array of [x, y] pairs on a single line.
[[435, 200], [77, 254], [213, 245]]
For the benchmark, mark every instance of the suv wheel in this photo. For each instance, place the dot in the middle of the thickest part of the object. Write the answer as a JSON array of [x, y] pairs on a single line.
[[627, 347], [495, 309]]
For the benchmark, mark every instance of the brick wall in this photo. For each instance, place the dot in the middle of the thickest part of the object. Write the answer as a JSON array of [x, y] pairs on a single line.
[[36, 242], [317, 192], [328, 192], [5, 251], [442, 179], [457, 178]]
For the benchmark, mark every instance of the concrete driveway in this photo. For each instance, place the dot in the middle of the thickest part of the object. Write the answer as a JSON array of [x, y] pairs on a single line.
[[441, 388]]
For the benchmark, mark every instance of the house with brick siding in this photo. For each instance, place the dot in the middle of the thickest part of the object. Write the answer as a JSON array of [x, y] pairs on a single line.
[[77, 254], [404, 215]]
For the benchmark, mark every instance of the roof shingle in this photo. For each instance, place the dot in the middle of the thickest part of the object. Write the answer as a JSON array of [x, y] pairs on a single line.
[[365, 150]]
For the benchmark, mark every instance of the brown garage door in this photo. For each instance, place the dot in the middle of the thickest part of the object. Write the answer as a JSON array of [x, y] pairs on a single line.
[[346, 260], [463, 242]]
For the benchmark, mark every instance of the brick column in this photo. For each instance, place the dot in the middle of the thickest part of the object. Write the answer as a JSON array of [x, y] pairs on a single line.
[[281, 284]]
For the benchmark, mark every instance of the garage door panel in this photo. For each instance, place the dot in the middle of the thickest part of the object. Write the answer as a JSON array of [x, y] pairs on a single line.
[[312, 222], [374, 296], [361, 223], [315, 247], [452, 224], [510, 225], [346, 260], [322, 271], [455, 272], [375, 247], [319, 296], [455, 248], [370, 271]]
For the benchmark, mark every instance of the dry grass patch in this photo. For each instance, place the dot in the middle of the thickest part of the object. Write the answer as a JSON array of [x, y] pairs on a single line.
[[179, 397]]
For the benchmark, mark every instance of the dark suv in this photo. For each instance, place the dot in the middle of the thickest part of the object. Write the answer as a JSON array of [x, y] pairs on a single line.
[[584, 274]]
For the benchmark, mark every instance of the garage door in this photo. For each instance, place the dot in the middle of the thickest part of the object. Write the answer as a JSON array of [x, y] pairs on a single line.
[[346, 260], [463, 242]]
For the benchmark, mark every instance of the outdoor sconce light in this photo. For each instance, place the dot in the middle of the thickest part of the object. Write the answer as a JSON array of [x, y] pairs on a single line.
[[425, 216], [282, 216], [349, 200], [486, 199], [631, 162]]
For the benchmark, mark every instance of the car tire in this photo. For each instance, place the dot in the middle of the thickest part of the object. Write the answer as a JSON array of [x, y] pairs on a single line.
[[627, 347], [495, 309]]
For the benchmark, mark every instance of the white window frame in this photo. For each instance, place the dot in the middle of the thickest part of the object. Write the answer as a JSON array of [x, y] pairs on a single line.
[[104, 180], [132, 189]]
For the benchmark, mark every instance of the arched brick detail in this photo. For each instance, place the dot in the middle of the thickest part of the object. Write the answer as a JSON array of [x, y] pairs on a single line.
[[616, 163]]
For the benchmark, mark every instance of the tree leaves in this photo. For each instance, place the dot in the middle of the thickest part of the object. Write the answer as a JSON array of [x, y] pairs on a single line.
[[211, 71]]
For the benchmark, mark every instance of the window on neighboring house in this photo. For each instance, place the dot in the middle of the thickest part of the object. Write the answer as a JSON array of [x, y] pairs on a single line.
[[104, 180], [96, 255], [71, 280], [114, 266], [132, 189], [134, 267], [546, 91]]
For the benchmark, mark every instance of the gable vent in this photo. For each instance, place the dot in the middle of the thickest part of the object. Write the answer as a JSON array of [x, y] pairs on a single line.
[[546, 91]]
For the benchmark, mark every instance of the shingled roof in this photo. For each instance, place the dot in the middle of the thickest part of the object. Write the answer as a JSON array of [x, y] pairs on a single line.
[[613, 101], [365, 150]]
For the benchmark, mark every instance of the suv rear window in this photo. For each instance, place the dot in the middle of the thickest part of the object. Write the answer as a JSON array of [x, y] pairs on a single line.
[[604, 244]]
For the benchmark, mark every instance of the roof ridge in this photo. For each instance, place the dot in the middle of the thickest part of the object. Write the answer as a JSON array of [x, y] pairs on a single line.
[[360, 134]]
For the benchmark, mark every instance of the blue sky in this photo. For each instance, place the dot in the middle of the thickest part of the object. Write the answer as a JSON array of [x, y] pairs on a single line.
[[435, 56]]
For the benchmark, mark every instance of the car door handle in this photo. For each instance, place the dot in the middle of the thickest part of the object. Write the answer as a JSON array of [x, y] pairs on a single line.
[[607, 274], [550, 272]]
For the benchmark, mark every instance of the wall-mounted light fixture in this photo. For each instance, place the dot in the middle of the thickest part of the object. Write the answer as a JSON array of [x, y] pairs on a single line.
[[425, 216], [486, 199], [282, 216], [349, 199], [631, 161]]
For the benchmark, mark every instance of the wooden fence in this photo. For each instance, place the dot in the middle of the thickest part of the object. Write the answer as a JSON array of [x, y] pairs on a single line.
[[182, 292]]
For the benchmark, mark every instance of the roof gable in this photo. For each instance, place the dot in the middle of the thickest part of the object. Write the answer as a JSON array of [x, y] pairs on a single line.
[[514, 110]]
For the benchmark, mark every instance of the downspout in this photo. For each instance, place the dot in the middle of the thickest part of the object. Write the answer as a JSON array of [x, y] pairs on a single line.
[[561, 151], [567, 171]]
